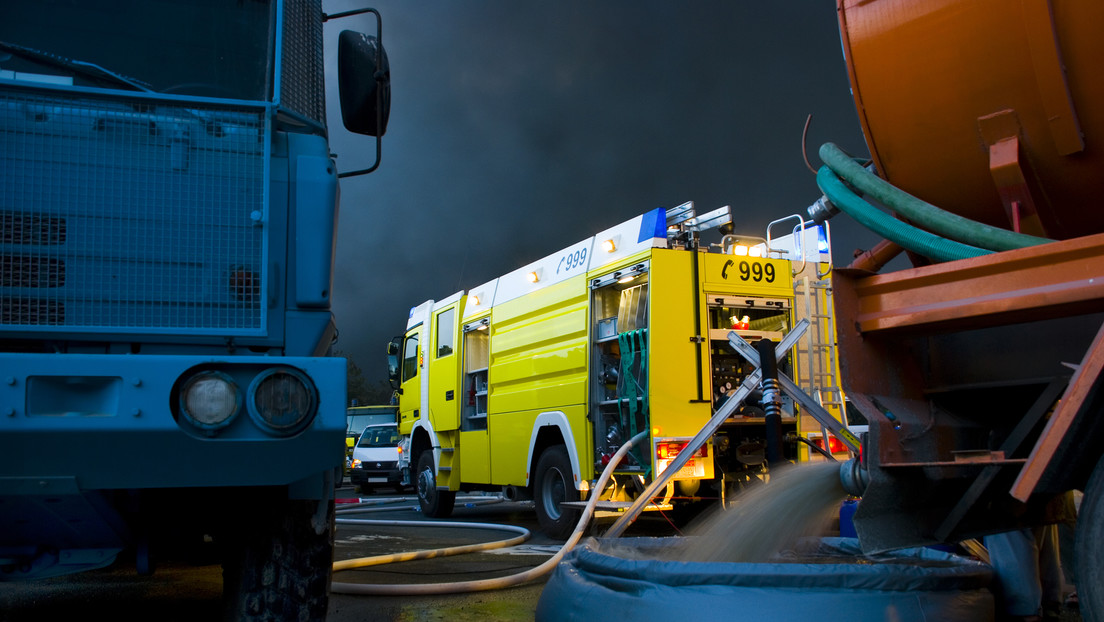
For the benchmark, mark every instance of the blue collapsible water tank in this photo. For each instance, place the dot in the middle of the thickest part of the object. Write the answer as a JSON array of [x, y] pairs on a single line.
[[829, 579]]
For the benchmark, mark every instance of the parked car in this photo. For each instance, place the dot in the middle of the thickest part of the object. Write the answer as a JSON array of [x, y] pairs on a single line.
[[376, 458]]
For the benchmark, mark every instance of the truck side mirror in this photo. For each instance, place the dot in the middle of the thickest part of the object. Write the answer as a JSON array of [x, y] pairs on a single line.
[[393, 349], [364, 83]]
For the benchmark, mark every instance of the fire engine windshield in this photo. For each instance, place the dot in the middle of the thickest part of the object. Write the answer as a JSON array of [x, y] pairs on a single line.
[[209, 48]]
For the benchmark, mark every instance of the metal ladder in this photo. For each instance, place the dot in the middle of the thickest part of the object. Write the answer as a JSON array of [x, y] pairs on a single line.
[[816, 353]]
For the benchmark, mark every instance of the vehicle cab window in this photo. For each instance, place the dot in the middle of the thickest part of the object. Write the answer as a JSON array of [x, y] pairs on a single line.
[[410, 358], [445, 333]]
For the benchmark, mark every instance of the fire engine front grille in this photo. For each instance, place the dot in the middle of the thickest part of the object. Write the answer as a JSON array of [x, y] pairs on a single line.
[[130, 216]]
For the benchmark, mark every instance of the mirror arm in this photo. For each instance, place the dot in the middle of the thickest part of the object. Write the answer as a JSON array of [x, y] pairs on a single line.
[[379, 150], [327, 17]]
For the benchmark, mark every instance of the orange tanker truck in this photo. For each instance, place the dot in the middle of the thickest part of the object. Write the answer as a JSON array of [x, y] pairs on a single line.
[[981, 366]]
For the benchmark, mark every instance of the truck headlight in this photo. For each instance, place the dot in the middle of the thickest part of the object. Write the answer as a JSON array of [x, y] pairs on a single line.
[[210, 400], [282, 400]]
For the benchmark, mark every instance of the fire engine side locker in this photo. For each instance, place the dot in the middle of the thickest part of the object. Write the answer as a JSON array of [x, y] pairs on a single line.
[[539, 368], [620, 315], [678, 408], [475, 440]]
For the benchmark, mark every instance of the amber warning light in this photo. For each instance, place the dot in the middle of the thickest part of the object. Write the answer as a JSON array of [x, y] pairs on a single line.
[[666, 450]]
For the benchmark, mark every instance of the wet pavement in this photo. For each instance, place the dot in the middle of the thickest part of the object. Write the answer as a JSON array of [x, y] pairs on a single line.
[[512, 603], [183, 592], [179, 592]]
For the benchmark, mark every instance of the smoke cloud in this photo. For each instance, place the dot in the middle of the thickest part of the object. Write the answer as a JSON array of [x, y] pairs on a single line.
[[520, 128]]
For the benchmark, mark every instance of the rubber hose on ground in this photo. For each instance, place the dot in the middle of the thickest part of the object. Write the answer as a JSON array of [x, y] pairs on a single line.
[[500, 582], [904, 234], [932, 218], [379, 560]]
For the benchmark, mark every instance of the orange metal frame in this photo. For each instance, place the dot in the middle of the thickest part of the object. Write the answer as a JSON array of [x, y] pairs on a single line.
[[1053, 280], [1088, 374], [1047, 281]]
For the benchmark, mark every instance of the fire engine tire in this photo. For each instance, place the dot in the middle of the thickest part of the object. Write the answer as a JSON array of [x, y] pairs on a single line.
[[435, 503], [553, 485], [278, 563], [637, 579], [1089, 547]]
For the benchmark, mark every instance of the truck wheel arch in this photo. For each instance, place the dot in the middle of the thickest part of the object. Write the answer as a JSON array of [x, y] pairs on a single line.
[[545, 428], [422, 437]]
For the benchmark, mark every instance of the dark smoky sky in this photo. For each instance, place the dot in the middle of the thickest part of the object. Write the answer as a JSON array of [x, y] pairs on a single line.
[[519, 128]]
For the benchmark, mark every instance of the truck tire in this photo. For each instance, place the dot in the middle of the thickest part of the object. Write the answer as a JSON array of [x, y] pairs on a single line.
[[435, 503], [554, 485], [1090, 548], [278, 563]]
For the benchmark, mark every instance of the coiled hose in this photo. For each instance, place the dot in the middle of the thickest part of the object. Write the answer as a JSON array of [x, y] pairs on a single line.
[[954, 237], [483, 584], [904, 234]]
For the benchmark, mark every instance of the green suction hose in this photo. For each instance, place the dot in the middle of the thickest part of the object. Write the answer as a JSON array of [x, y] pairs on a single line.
[[904, 234], [930, 217]]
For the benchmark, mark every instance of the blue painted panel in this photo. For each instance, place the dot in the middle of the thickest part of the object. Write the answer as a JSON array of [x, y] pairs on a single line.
[[113, 425]]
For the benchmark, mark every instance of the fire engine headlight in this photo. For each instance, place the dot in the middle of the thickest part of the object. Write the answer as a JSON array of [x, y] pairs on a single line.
[[282, 401], [210, 400]]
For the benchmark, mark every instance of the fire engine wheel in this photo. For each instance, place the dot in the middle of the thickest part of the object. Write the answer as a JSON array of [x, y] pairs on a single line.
[[277, 563], [435, 503], [1090, 548], [555, 484]]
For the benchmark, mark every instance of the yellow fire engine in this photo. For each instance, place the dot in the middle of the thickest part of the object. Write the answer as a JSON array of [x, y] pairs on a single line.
[[529, 383]]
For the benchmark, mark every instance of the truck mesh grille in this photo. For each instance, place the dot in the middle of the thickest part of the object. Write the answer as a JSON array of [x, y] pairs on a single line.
[[302, 74], [130, 216]]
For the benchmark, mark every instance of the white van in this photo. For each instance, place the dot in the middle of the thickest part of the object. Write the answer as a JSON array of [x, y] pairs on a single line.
[[376, 458]]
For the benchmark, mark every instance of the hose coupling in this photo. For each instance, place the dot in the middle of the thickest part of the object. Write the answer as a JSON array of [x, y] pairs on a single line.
[[822, 210], [854, 477], [772, 397]]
